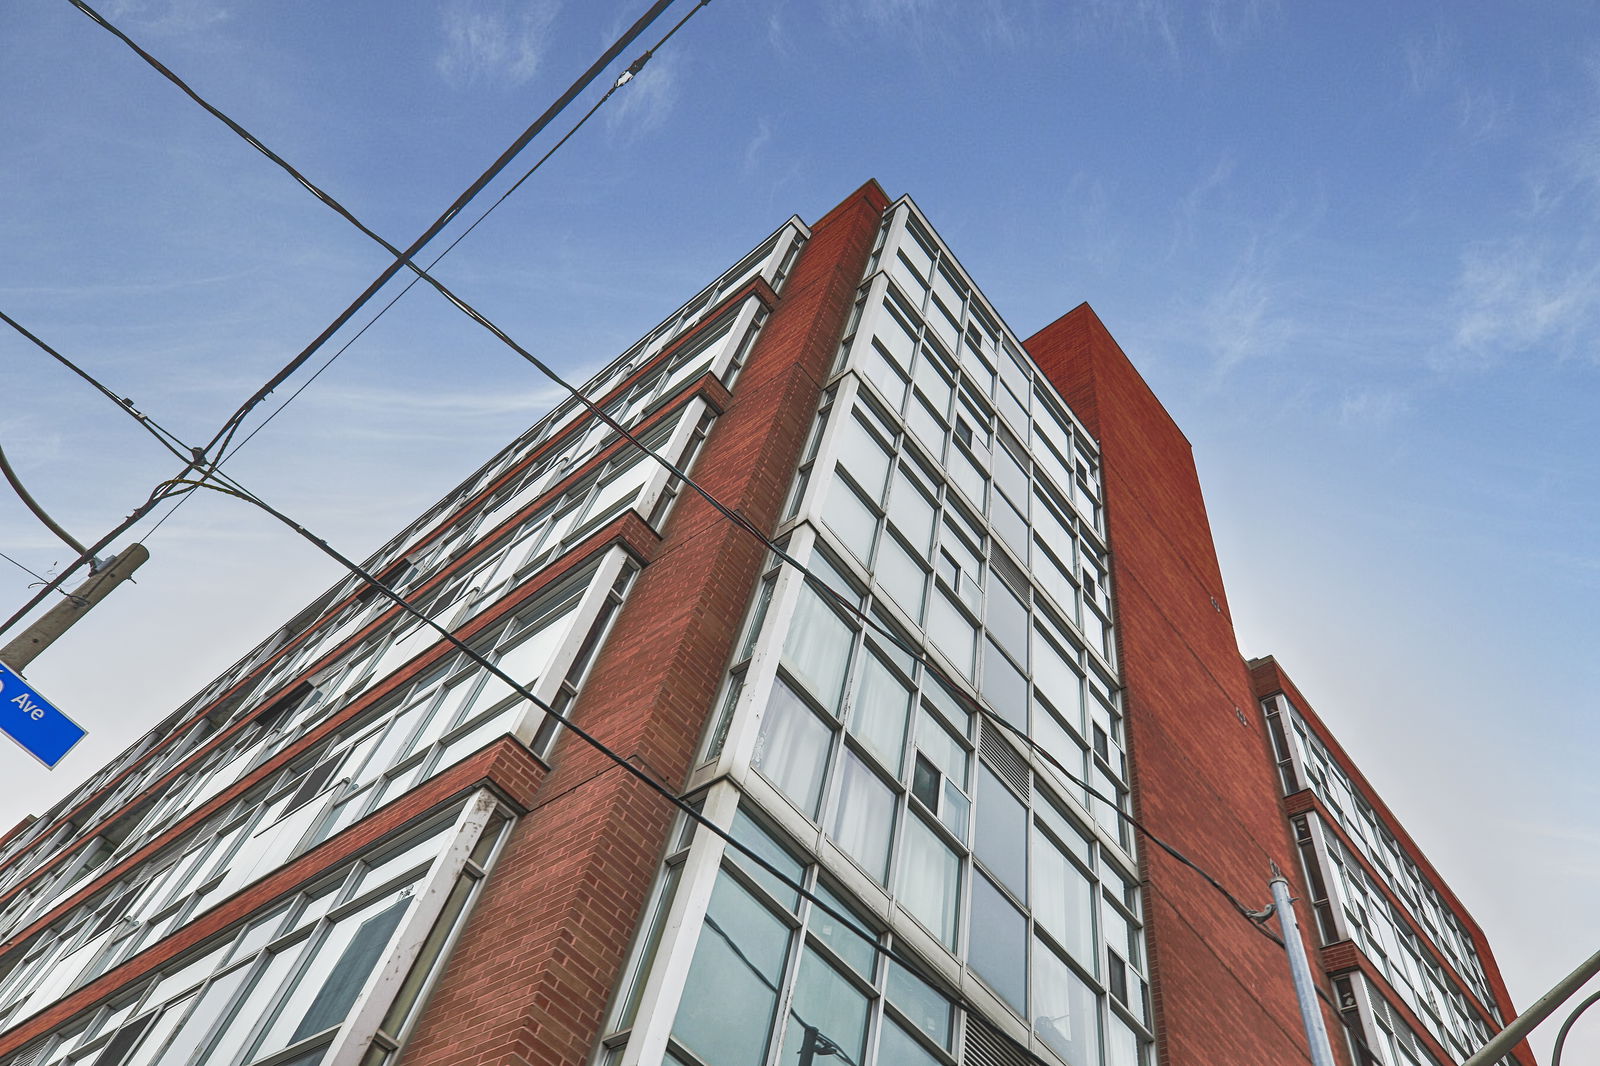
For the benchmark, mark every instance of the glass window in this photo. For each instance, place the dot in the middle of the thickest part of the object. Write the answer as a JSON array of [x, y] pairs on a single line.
[[826, 1000], [792, 748], [725, 1014], [952, 632], [998, 951], [863, 818], [897, 1048], [929, 880], [861, 453], [747, 832], [851, 940], [1000, 837], [848, 515], [911, 511], [902, 576], [1004, 687], [1007, 620], [1063, 900], [1065, 1014], [921, 1003], [817, 649], [881, 706]]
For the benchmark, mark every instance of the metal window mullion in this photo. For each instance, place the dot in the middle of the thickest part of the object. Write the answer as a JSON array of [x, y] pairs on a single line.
[[680, 934], [356, 1033]]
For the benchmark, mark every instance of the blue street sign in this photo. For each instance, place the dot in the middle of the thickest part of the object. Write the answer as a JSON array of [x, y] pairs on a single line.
[[29, 719]]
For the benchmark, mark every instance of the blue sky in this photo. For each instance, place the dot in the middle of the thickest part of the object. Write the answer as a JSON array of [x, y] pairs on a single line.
[[1353, 248]]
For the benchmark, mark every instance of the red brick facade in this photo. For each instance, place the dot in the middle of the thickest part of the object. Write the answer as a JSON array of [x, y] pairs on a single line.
[[1202, 776], [530, 979]]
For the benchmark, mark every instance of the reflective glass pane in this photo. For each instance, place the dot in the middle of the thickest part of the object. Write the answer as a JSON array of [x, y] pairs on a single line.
[[1065, 1012], [863, 818], [792, 748], [999, 949], [725, 1013], [929, 883]]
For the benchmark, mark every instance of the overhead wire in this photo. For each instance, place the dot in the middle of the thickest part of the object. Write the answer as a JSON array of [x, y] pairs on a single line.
[[417, 276], [403, 259], [220, 481], [219, 442], [423, 274], [26, 569], [197, 457]]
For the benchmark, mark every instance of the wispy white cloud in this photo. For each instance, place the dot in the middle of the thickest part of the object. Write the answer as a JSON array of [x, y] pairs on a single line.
[[1372, 408], [439, 403], [167, 18], [1235, 23], [754, 150], [1523, 293], [1245, 318], [493, 41], [1427, 59], [1481, 113], [1192, 202], [1139, 20]]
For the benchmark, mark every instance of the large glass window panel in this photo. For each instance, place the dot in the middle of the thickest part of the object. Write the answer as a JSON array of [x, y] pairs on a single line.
[[336, 971], [897, 338], [927, 1009], [206, 1011], [1122, 1044], [848, 515], [1011, 527], [849, 937], [927, 426], [880, 369], [967, 475], [1000, 837], [1063, 746], [998, 951], [897, 1048], [861, 453], [747, 832], [792, 748], [863, 818], [1007, 619], [1065, 1011], [911, 511], [826, 1000], [902, 576], [928, 884], [1058, 679], [725, 1013], [937, 742], [817, 649], [1004, 687], [878, 717], [1063, 900], [952, 632], [527, 660], [933, 381]]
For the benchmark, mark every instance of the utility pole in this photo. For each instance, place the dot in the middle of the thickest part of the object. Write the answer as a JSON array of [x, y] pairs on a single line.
[[64, 615], [1300, 971]]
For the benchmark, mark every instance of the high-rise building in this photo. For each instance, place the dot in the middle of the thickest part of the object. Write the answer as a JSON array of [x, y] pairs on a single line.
[[358, 846]]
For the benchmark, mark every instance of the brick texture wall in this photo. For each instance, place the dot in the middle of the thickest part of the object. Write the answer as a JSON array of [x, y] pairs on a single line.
[[1203, 777], [530, 979]]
